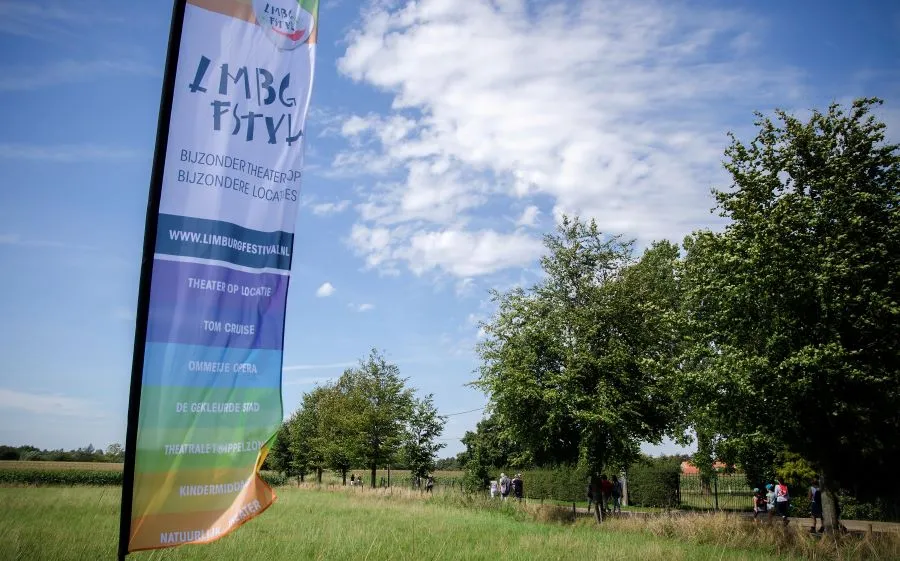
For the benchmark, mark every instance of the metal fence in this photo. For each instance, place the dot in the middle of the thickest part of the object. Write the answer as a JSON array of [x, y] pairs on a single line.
[[721, 492]]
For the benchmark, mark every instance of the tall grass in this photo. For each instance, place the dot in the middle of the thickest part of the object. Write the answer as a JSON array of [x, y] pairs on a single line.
[[59, 524], [739, 532]]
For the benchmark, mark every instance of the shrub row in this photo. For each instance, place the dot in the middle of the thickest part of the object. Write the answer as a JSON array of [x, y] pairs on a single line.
[[562, 483], [60, 477], [87, 477], [654, 483]]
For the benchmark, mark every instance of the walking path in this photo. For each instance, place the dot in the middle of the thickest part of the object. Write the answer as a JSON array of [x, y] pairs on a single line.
[[806, 523]]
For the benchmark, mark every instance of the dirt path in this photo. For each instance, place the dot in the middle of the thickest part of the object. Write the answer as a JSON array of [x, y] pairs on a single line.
[[851, 525]]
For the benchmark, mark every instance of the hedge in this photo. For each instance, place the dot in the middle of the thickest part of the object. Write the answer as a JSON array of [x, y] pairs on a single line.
[[60, 477], [564, 483], [654, 484], [87, 477]]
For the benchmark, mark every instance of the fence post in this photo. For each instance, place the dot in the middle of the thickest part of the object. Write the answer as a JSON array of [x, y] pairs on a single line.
[[716, 491]]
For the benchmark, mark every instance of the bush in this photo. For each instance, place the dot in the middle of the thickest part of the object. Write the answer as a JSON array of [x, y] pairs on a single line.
[[60, 477], [877, 509], [564, 483], [273, 478], [69, 477], [654, 482]]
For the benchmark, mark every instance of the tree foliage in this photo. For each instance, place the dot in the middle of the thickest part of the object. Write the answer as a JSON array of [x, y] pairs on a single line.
[[579, 367], [487, 446], [792, 312], [382, 404], [423, 428], [368, 417]]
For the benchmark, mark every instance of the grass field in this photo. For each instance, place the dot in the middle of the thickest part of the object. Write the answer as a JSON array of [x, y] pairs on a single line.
[[60, 523]]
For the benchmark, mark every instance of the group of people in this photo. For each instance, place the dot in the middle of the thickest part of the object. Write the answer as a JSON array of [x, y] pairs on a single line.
[[504, 487], [417, 482], [776, 501], [601, 493]]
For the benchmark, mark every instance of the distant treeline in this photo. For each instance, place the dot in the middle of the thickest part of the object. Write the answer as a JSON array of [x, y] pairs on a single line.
[[113, 453]]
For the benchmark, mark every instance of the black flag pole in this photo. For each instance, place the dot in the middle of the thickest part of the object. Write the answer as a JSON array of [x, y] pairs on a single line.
[[143, 302]]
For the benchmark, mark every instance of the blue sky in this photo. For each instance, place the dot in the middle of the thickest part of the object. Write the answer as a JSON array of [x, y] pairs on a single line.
[[444, 139]]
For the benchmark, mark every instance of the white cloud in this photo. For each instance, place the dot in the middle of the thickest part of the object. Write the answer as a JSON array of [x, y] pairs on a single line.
[[325, 290], [45, 404], [612, 109], [324, 209], [374, 243], [465, 286], [468, 254], [461, 253], [365, 307], [529, 216]]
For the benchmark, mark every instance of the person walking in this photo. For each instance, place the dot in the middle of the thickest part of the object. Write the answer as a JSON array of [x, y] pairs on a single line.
[[782, 499], [770, 500], [504, 486], [606, 488], [518, 487], [815, 506], [617, 494]]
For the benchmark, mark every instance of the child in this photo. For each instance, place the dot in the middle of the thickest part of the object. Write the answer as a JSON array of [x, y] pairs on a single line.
[[760, 504], [770, 500]]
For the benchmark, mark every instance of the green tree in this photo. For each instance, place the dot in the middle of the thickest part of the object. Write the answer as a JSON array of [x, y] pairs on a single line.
[[579, 367], [307, 443], [424, 426], [339, 437], [280, 458], [490, 449], [115, 452], [793, 310], [756, 453], [382, 405]]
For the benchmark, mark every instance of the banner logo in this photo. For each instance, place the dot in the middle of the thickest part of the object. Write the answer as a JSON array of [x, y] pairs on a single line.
[[287, 23]]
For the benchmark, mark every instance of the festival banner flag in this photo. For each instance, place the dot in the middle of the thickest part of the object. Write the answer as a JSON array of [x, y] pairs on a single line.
[[205, 400]]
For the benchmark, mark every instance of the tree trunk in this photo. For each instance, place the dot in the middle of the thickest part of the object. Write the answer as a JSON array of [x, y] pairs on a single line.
[[344, 476], [374, 468], [318, 475], [598, 497], [830, 507], [302, 476]]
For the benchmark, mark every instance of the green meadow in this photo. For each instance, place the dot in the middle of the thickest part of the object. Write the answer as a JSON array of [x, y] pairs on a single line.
[[81, 522], [61, 523]]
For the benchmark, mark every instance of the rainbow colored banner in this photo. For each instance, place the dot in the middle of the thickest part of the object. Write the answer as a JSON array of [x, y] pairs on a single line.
[[207, 402]]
